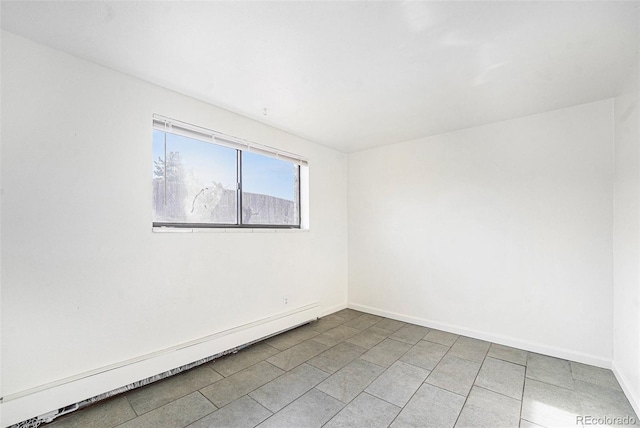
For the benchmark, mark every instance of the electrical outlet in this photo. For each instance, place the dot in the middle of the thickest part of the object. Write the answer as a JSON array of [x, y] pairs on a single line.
[[285, 300]]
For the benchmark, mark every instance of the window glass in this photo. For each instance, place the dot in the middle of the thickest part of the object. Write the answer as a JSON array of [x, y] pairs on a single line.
[[193, 181], [270, 190]]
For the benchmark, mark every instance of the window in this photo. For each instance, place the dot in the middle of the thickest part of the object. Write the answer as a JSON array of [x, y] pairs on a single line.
[[202, 178]]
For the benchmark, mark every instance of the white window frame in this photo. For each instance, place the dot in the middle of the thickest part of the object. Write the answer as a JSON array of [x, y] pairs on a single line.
[[173, 126]]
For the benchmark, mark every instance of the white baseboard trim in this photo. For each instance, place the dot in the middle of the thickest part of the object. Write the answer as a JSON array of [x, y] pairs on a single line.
[[539, 348], [333, 309], [23, 405], [632, 396]]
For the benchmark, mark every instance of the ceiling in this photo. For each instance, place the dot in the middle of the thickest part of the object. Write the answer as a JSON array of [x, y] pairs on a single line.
[[353, 75]]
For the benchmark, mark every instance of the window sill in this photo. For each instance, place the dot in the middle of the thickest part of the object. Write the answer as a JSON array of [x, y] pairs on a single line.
[[223, 230]]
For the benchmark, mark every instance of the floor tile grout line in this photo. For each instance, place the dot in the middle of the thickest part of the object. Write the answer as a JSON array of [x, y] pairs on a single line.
[[283, 374], [248, 394], [297, 398], [198, 392], [418, 367], [552, 384], [323, 371], [423, 382], [443, 389], [295, 344], [417, 389], [241, 370], [506, 361], [126, 394], [175, 399], [574, 390], [533, 423], [330, 374], [472, 384], [260, 404], [176, 376], [496, 392], [216, 409], [285, 371], [207, 398], [467, 359], [343, 407], [366, 349], [454, 356], [409, 400], [306, 340], [524, 381], [401, 407], [208, 414], [274, 413], [329, 348], [212, 362], [351, 401], [364, 389], [437, 343]]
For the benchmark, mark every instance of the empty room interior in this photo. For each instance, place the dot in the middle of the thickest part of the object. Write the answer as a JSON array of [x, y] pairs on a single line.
[[320, 214]]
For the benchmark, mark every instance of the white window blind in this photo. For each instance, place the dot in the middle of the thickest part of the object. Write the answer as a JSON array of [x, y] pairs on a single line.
[[192, 131]]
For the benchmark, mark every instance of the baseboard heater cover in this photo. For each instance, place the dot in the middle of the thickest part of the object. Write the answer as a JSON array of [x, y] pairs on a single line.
[[37, 421], [49, 417]]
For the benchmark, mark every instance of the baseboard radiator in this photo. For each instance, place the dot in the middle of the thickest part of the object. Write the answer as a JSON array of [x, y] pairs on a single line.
[[281, 323]]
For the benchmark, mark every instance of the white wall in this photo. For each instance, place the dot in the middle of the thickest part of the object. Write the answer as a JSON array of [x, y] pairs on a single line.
[[85, 282], [502, 232], [626, 256]]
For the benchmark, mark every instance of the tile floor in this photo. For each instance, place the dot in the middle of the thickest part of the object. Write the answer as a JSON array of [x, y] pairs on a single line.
[[351, 369]]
